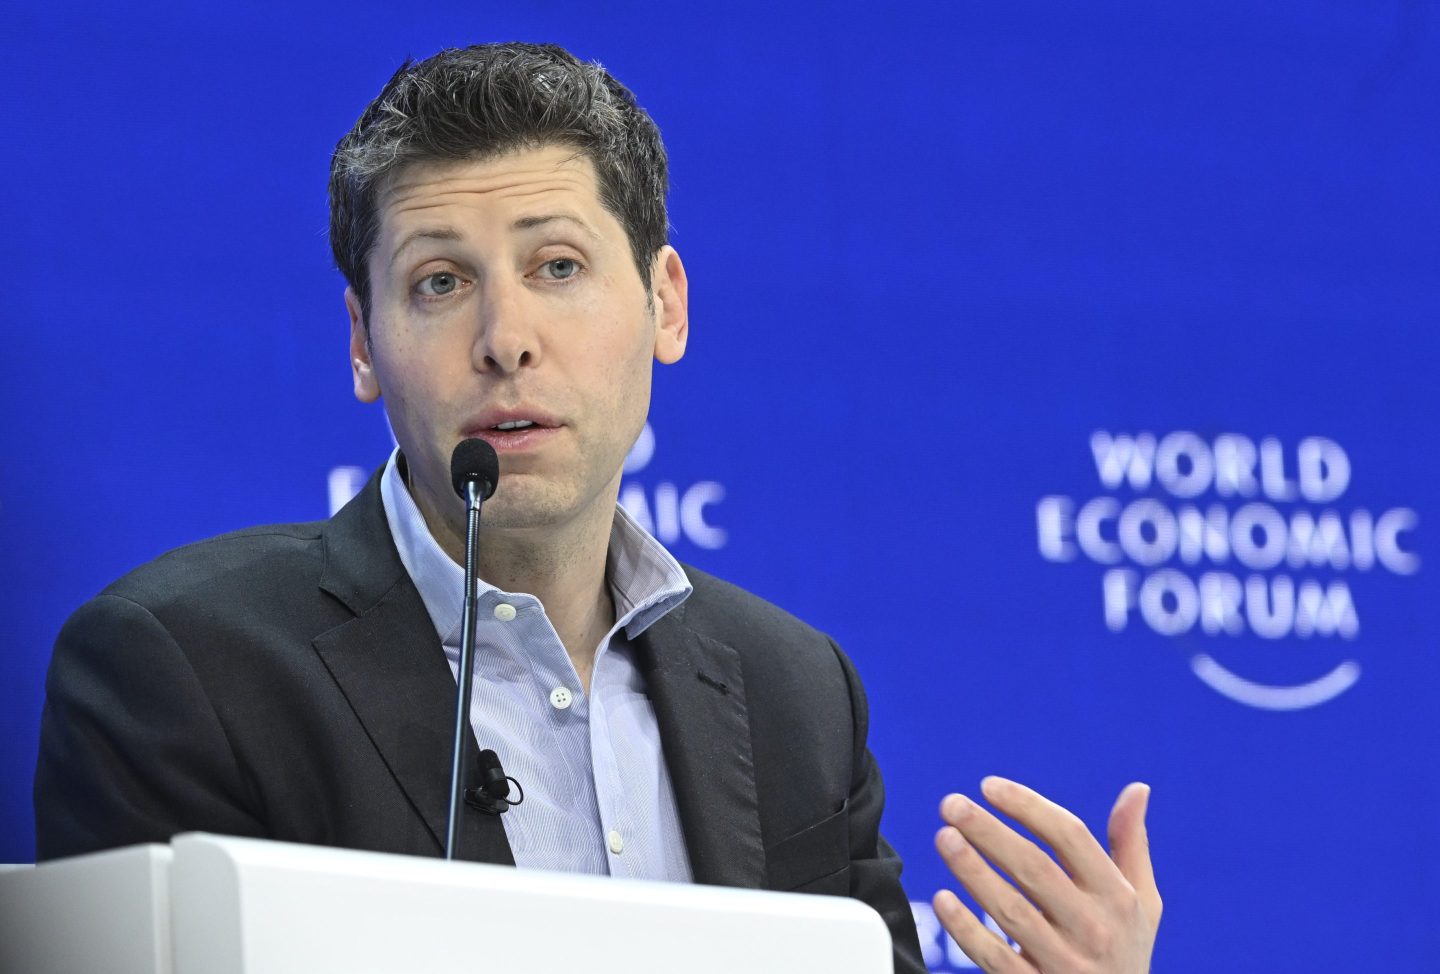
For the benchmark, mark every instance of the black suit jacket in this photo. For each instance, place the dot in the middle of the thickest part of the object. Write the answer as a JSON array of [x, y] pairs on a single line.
[[286, 682]]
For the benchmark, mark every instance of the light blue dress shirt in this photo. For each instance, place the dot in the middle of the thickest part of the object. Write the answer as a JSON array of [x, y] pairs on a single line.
[[598, 797]]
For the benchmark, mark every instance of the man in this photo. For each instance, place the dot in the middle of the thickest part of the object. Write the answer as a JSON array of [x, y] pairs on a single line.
[[499, 215]]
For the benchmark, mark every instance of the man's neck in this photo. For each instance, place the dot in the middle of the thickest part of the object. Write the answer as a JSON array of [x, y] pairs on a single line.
[[563, 567], [566, 573]]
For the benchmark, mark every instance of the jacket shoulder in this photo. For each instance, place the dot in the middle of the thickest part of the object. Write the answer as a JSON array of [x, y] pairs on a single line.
[[725, 611], [238, 564], [753, 626]]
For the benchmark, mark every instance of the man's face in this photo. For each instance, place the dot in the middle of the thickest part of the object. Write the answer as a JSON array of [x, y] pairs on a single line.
[[504, 293]]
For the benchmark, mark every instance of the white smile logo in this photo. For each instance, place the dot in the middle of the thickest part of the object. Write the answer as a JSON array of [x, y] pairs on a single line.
[[1229, 502]]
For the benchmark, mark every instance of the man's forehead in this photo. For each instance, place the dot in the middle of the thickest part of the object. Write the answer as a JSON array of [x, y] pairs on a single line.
[[521, 171], [533, 187]]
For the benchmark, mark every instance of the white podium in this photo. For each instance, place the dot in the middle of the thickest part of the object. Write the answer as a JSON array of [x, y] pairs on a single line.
[[208, 904]]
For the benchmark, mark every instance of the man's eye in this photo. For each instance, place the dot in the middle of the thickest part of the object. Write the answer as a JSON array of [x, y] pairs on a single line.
[[435, 285], [561, 268]]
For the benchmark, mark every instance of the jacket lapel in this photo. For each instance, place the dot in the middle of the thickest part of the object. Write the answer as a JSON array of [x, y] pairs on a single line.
[[389, 664], [698, 692]]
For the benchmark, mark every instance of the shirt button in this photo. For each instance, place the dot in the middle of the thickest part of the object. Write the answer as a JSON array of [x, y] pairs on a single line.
[[505, 612], [617, 844], [561, 698]]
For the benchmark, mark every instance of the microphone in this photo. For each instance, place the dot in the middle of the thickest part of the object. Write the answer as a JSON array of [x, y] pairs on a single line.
[[474, 462], [493, 795], [474, 472]]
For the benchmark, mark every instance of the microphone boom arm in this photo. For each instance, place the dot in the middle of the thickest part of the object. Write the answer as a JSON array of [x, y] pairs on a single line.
[[475, 493]]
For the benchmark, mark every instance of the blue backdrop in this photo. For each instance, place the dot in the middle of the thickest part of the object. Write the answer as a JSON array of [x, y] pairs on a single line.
[[1072, 364]]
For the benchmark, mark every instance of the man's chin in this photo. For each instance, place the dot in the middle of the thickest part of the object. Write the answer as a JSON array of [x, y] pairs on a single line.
[[520, 507], [532, 502]]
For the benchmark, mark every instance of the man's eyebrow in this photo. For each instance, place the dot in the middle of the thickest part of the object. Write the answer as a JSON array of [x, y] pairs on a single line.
[[524, 223], [434, 233], [531, 222]]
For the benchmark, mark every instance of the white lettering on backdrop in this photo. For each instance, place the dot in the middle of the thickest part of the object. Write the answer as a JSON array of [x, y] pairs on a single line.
[[1228, 537]]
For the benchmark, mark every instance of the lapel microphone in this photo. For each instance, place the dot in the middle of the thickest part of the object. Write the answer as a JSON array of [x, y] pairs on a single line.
[[493, 795], [474, 473]]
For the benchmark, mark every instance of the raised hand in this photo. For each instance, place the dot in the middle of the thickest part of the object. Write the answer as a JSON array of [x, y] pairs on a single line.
[[1092, 913]]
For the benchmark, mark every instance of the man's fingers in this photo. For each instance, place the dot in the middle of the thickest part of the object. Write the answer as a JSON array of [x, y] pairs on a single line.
[[979, 942], [1130, 845], [1078, 851], [1016, 915], [1020, 859], [1095, 914]]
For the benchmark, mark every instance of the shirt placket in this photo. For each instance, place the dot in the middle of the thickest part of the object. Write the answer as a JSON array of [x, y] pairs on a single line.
[[616, 825]]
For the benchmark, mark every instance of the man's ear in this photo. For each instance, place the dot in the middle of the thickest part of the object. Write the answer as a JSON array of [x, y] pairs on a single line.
[[671, 294], [362, 369]]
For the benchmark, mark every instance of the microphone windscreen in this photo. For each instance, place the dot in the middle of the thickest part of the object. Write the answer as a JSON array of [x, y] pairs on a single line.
[[492, 776], [474, 459]]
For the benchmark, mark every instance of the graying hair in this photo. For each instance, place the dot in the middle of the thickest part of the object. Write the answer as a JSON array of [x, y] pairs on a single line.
[[479, 102]]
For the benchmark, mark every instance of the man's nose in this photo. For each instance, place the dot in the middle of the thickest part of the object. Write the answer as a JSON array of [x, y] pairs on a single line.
[[506, 339]]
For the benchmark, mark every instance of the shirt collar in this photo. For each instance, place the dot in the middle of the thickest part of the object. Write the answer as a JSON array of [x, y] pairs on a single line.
[[645, 580]]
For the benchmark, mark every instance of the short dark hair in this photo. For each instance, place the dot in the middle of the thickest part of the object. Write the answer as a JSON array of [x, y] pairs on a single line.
[[483, 101]]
